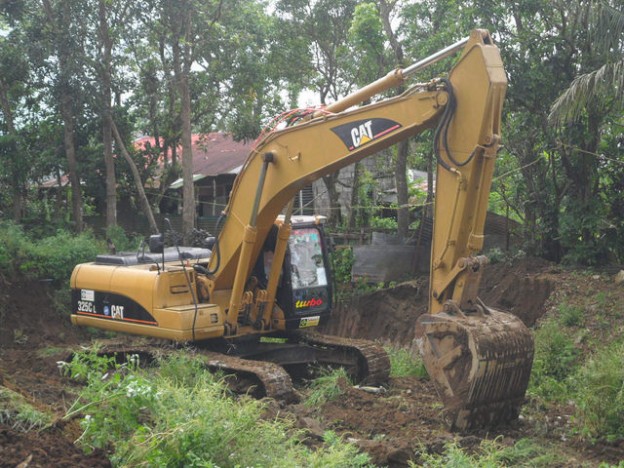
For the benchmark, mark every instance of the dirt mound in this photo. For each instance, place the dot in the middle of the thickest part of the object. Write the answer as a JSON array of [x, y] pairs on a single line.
[[28, 316], [390, 315]]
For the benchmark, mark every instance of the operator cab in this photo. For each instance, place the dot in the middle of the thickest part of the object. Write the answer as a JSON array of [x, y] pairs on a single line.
[[304, 291]]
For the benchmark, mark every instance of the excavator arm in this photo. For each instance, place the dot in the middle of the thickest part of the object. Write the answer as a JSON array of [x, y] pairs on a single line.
[[479, 358]]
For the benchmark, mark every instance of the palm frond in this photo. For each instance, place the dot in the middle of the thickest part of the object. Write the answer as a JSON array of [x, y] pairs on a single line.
[[608, 28], [606, 83]]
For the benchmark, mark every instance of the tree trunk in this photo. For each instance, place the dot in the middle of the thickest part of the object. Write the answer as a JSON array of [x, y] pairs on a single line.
[[335, 215], [182, 60], [60, 24], [188, 191], [143, 201], [72, 163], [107, 118], [385, 9], [17, 185]]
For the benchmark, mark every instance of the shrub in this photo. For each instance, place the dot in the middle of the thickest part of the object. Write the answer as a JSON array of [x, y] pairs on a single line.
[[55, 257], [48, 258], [121, 240], [571, 316], [341, 261]]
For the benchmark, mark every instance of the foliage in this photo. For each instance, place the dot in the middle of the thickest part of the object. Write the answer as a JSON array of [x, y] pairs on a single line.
[[556, 359], [49, 258], [492, 454], [600, 395], [121, 240], [405, 364], [571, 315], [383, 223], [181, 415], [327, 387], [341, 260]]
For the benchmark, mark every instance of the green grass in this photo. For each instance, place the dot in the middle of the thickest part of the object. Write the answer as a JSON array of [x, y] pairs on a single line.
[[327, 387], [600, 395], [556, 359], [16, 412], [493, 454], [181, 415], [405, 364]]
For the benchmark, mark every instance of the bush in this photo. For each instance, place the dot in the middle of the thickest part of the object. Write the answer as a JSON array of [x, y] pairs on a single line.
[[13, 245], [600, 395], [341, 261], [571, 316], [49, 258], [55, 257]]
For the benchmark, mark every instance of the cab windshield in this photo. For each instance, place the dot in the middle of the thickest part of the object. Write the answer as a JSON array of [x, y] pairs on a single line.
[[308, 268]]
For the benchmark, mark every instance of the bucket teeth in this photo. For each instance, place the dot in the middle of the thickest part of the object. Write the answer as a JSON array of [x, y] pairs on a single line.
[[480, 365]]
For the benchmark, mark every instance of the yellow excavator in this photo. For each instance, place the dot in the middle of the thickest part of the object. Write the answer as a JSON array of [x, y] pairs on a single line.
[[249, 299]]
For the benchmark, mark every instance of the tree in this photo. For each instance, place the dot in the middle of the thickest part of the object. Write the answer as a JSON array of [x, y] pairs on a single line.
[[14, 74], [325, 26], [63, 35]]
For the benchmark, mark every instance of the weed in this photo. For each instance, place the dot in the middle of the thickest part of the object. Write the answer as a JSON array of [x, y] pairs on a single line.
[[19, 414], [20, 337], [492, 454], [600, 395], [405, 364], [327, 387], [571, 316], [556, 358]]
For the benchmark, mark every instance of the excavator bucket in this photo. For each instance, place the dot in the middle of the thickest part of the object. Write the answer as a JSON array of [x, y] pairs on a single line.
[[480, 364]]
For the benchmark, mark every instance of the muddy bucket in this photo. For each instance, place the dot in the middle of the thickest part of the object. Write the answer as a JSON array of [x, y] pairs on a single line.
[[480, 364]]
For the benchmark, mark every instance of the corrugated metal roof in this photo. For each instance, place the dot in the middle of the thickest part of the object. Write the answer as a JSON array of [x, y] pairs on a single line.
[[213, 153]]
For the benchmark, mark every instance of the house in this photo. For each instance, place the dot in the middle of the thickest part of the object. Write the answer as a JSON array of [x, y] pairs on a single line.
[[217, 159]]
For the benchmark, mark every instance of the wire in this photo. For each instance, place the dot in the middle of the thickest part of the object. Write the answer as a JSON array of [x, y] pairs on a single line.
[[441, 131]]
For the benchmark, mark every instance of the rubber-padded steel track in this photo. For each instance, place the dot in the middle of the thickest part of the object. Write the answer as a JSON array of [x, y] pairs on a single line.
[[262, 379], [373, 363], [366, 361]]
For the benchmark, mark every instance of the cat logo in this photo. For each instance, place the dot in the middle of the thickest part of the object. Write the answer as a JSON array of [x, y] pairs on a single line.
[[117, 312], [361, 132]]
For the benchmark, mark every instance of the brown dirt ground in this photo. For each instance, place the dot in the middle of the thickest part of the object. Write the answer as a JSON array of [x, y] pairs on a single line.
[[393, 427]]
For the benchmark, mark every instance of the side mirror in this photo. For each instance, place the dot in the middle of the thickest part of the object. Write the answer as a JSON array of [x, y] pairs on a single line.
[[156, 243]]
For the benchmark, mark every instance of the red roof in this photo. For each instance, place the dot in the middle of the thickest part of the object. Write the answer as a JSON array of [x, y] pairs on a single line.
[[213, 153]]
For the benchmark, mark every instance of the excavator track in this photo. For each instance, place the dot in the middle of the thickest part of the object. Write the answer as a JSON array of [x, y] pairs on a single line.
[[480, 365], [372, 364], [261, 379], [263, 373]]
